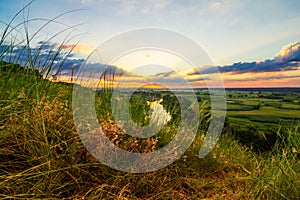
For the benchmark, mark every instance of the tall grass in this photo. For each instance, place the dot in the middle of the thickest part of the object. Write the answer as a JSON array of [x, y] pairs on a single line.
[[41, 155], [279, 175]]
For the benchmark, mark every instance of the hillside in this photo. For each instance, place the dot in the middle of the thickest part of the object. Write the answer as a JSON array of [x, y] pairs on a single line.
[[41, 155]]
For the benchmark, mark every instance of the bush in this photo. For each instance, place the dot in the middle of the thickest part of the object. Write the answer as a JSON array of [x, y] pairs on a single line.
[[257, 107]]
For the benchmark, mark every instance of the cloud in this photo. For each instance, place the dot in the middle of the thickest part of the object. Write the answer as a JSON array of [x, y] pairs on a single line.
[[207, 69], [55, 57], [281, 67], [201, 78], [144, 7], [82, 49], [86, 1], [289, 53], [216, 5], [166, 74], [43, 54], [287, 59], [160, 4], [98, 69]]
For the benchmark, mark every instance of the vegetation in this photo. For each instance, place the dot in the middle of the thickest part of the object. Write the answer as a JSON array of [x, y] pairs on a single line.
[[41, 155]]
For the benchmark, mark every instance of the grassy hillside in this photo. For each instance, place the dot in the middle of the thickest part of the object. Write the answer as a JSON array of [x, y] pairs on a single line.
[[41, 155]]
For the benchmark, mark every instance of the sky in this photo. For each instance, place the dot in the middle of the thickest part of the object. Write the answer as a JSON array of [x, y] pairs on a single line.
[[252, 43]]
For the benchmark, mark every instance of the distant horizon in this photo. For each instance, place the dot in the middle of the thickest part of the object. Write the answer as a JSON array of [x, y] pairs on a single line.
[[194, 88]]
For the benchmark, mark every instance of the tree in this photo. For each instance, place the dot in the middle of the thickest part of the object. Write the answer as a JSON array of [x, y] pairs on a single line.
[[257, 107]]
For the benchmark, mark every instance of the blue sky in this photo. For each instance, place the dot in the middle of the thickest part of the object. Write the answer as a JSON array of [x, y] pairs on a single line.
[[230, 31]]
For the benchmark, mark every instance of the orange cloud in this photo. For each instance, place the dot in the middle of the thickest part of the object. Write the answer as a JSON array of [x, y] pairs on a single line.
[[81, 48], [266, 79]]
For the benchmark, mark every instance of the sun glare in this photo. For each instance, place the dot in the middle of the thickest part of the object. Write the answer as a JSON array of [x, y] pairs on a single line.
[[132, 62]]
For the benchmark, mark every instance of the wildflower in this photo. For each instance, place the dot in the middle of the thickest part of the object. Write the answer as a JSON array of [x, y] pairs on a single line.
[[294, 150]]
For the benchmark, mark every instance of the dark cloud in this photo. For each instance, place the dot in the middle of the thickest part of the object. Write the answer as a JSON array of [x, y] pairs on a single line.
[[165, 74], [55, 57], [264, 66], [46, 55], [41, 56], [287, 59], [98, 69], [204, 70], [46, 45]]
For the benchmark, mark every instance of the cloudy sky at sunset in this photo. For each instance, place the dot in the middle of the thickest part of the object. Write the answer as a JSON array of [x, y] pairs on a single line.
[[252, 43]]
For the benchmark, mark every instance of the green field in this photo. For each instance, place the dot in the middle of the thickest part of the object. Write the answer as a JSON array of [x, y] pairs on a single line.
[[261, 108]]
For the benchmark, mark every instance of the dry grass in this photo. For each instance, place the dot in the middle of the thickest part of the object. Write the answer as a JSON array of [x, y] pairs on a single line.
[[41, 155]]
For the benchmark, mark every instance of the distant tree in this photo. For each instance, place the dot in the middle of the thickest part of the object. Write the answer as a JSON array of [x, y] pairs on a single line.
[[257, 107], [199, 98], [167, 98]]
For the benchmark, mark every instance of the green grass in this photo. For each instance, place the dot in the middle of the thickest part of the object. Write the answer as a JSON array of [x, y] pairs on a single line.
[[271, 110], [41, 155]]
